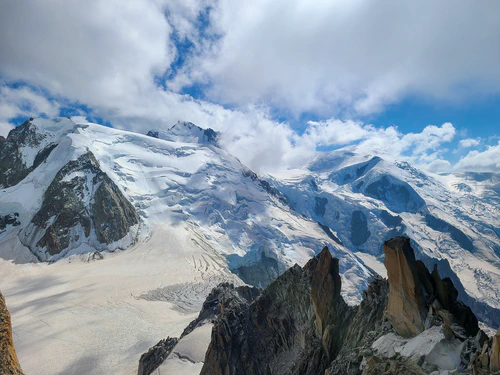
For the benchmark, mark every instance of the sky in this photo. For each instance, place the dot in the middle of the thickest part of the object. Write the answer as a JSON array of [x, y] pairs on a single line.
[[281, 79]]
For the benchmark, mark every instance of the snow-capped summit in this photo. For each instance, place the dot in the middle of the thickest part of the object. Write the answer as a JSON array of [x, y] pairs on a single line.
[[187, 132]]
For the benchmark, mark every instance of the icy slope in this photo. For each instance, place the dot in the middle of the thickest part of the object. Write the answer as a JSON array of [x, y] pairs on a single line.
[[366, 199]]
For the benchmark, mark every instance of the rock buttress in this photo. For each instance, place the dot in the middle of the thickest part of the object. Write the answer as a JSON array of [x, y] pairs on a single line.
[[9, 364]]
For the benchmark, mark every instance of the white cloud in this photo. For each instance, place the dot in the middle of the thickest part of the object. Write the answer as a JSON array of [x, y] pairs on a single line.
[[469, 142], [324, 57], [483, 161], [103, 53], [439, 165], [355, 55], [16, 102]]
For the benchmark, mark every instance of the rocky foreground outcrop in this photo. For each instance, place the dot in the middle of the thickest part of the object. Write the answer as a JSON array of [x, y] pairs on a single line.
[[299, 325], [222, 298], [411, 323], [415, 294], [9, 364]]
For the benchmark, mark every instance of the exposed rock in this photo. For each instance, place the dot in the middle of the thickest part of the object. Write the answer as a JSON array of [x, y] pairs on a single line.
[[413, 290], [298, 325], [495, 353], [13, 167], [9, 364], [223, 297], [81, 200], [9, 219], [151, 360], [406, 309], [301, 324]]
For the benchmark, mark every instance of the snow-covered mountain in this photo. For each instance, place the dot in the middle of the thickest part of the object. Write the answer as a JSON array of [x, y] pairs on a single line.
[[189, 215], [99, 188], [452, 219]]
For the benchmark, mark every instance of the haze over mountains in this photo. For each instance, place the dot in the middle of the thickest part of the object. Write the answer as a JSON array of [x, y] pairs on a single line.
[[103, 229]]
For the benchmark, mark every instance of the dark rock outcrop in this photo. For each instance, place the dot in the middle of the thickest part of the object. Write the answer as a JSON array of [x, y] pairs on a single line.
[[81, 200], [495, 353], [156, 355], [13, 168], [301, 324], [9, 364], [9, 219], [223, 297]]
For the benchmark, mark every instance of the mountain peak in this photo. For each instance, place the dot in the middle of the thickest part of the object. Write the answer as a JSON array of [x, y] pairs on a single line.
[[187, 132]]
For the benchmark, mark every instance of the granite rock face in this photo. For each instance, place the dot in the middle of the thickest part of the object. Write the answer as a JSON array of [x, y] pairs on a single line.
[[9, 364], [223, 297], [495, 353], [406, 308], [297, 326], [81, 204], [301, 325], [413, 291], [156, 355]]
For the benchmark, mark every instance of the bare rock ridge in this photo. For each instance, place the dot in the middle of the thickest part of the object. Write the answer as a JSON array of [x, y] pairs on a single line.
[[301, 325], [81, 202], [9, 364], [223, 297], [297, 326], [156, 356], [413, 292], [12, 166]]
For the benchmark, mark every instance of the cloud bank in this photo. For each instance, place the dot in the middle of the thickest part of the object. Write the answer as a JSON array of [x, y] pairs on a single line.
[[233, 65]]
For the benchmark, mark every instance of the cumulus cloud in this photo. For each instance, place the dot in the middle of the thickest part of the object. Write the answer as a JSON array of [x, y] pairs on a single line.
[[103, 53], [484, 161], [122, 61], [469, 142], [22, 101], [354, 55]]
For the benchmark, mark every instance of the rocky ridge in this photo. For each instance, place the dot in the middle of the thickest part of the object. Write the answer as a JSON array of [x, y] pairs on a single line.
[[81, 202], [223, 297], [301, 325], [14, 166], [9, 364]]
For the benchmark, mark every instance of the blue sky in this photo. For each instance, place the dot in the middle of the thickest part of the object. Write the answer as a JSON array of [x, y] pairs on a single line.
[[281, 79]]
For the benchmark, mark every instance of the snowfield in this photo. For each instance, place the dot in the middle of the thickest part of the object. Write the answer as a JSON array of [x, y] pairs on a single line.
[[205, 217]]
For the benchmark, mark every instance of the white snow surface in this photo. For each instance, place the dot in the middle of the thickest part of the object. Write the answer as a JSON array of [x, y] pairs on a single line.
[[431, 344]]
